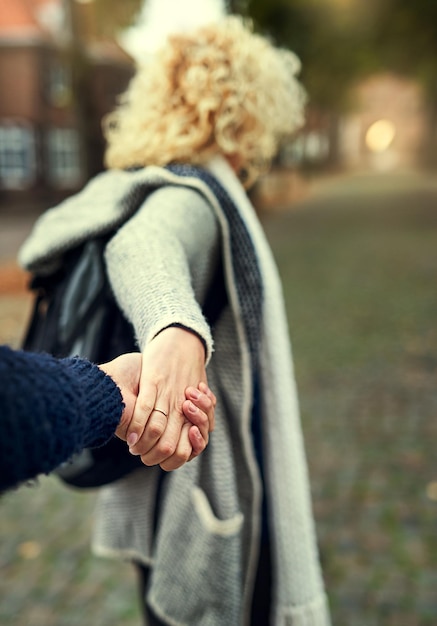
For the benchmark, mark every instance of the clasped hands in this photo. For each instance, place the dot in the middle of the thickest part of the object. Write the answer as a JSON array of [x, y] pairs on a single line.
[[169, 408]]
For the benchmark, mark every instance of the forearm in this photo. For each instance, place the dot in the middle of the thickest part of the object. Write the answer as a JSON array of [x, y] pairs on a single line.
[[160, 264], [51, 409]]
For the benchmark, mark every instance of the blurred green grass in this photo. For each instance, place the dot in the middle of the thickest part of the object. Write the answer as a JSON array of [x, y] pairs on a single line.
[[48, 576], [358, 260]]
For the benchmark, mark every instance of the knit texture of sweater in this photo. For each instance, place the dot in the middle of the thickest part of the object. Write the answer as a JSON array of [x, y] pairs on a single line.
[[51, 409]]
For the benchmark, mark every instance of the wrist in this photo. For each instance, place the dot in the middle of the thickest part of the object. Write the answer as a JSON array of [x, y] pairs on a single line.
[[178, 330]]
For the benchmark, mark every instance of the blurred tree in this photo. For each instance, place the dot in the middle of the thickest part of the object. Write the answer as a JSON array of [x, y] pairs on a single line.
[[88, 21], [113, 15], [340, 40], [329, 38], [405, 39]]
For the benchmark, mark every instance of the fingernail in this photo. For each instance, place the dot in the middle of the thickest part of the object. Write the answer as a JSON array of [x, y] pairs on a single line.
[[195, 394], [132, 439], [193, 408]]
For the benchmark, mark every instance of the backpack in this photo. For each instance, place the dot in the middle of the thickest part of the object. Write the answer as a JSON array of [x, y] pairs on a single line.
[[75, 313]]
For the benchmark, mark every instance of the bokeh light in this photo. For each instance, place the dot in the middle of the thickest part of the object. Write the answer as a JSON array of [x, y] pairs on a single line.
[[380, 135]]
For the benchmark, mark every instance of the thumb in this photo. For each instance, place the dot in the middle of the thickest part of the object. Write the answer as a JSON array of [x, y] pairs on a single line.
[[125, 371]]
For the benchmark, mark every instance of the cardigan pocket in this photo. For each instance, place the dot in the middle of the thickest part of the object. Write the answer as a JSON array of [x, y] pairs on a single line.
[[225, 528], [197, 572]]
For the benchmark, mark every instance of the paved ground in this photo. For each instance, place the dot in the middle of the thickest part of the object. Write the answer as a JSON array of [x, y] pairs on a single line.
[[358, 259]]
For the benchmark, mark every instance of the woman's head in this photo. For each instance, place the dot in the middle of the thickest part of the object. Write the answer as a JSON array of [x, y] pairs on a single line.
[[221, 89]]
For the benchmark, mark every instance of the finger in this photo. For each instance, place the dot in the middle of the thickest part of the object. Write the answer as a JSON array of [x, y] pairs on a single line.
[[182, 453], [203, 387], [126, 416], [153, 431], [197, 417], [167, 443], [198, 443], [141, 413], [125, 370], [204, 402], [206, 390]]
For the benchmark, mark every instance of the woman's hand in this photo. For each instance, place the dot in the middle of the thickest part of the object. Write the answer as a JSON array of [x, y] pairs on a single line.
[[174, 411]]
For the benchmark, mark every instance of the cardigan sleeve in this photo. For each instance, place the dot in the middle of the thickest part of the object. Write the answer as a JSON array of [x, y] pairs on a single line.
[[51, 409], [161, 261]]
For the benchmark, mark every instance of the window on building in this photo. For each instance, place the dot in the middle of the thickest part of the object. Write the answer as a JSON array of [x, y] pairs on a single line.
[[59, 84], [316, 146], [63, 157], [17, 156]]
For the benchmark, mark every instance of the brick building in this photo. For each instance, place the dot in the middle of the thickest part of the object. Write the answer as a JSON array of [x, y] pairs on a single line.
[[54, 91]]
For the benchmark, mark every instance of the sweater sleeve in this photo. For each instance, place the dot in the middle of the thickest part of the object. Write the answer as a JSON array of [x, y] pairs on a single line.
[[161, 262], [51, 409]]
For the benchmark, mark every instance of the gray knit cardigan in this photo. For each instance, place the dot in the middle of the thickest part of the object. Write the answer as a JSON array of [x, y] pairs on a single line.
[[204, 551]]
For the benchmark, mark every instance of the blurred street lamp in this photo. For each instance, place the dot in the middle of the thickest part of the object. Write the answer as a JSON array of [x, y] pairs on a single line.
[[380, 135]]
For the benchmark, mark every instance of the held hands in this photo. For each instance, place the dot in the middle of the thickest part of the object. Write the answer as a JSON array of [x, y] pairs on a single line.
[[158, 382], [175, 409]]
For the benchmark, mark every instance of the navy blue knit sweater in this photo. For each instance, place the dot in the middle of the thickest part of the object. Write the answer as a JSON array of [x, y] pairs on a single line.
[[49, 410]]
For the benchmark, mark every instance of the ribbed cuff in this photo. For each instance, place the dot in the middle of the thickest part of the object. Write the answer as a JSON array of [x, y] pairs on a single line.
[[103, 402]]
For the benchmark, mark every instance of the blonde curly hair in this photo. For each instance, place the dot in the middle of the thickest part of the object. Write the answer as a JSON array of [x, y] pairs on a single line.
[[221, 89]]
